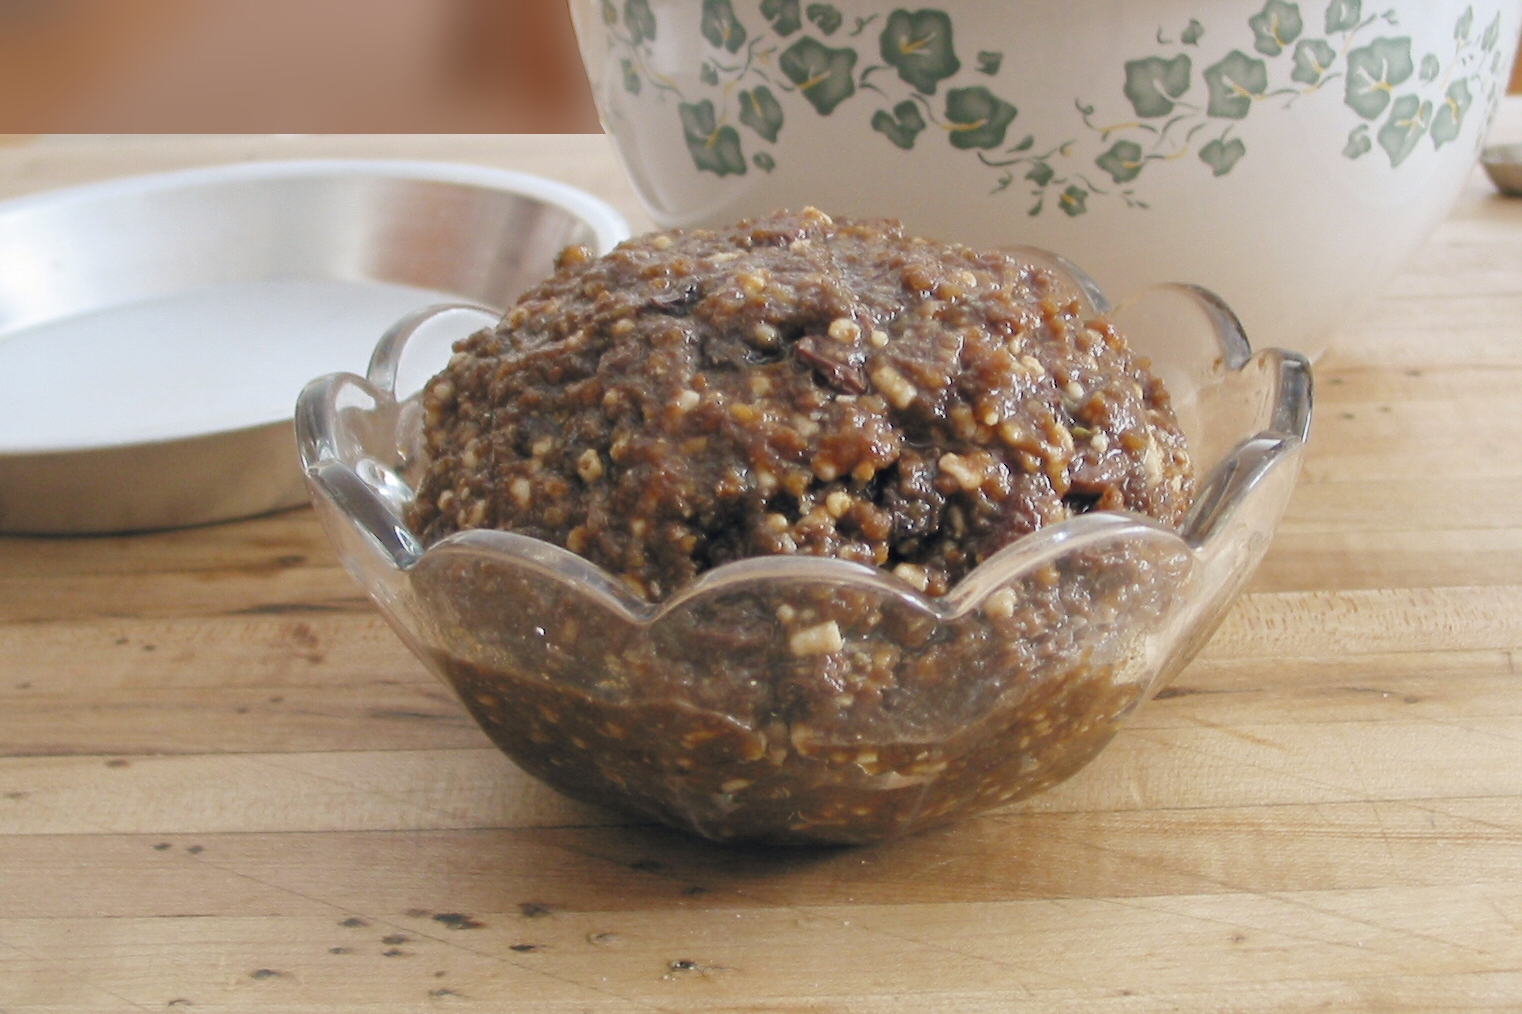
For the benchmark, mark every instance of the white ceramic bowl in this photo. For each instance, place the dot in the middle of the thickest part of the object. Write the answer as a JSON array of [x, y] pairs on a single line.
[[1288, 156]]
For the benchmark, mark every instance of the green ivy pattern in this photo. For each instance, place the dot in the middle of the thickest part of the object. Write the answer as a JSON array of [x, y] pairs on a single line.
[[763, 67]]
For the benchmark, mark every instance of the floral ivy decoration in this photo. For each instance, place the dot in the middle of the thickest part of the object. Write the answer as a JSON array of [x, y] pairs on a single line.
[[756, 76]]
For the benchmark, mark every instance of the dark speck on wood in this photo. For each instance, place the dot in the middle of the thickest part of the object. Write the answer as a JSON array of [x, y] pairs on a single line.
[[1169, 692], [287, 608], [454, 920], [265, 973], [395, 938], [683, 966], [524, 948], [397, 714], [354, 922], [534, 909]]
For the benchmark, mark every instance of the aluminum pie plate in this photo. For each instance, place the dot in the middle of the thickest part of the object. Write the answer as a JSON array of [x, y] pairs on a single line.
[[156, 331]]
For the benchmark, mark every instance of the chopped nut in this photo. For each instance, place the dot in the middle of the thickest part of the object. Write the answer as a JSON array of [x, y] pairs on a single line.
[[963, 423], [843, 329], [686, 401], [838, 503], [542, 446], [879, 339], [913, 575], [1064, 438], [821, 639], [825, 468], [1099, 442], [1000, 605], [522, 491], [967, 473], [899, 392], [766, 336], [589, 465], [622, 327], [661, 242], [1152, 461]]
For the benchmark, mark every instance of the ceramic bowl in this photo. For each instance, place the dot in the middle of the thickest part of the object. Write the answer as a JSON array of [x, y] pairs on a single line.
[[1288, 156], [681, 711]]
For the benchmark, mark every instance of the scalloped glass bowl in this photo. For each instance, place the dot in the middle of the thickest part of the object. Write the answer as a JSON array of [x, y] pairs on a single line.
[[705, 711]]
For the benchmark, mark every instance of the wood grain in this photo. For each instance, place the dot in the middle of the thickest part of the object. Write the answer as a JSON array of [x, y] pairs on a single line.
[[226, 786]]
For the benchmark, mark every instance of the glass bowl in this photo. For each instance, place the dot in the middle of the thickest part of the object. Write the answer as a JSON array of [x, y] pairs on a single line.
[[807, 699]]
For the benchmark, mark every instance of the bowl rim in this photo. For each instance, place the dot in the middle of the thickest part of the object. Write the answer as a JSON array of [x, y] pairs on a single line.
[[1221, 497], [607, 222]]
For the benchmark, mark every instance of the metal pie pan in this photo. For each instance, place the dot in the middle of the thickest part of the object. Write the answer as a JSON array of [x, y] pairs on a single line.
[[155, 331]]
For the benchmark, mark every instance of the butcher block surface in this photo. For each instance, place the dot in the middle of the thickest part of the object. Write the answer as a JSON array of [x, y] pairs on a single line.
[[226, 786]]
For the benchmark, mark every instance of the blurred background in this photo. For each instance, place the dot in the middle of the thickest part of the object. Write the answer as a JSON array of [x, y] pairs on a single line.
[[297, 66], [293, 66]]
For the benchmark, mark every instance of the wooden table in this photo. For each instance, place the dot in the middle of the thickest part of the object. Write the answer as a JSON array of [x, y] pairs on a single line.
[[224, 784]]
